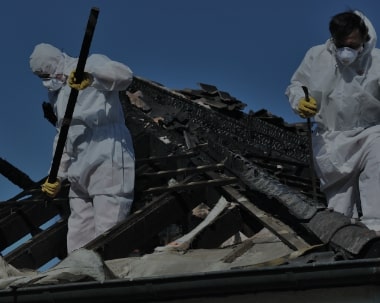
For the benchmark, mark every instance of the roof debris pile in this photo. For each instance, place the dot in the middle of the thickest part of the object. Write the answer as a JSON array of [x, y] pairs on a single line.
[[217, 191], [211, 97]]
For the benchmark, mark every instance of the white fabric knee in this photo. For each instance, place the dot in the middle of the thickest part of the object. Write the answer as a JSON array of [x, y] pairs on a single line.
[[109, 210], [81, 226]]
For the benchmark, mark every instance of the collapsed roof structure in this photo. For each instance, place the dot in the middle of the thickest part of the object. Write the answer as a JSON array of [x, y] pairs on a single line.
[[225, 209]]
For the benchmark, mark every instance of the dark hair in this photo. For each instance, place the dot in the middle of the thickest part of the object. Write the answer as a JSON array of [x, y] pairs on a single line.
[[343, 24]]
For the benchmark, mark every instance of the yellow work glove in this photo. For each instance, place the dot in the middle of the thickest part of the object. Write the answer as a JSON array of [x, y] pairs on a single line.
[[307, 109], [51, 189], [86, 81]]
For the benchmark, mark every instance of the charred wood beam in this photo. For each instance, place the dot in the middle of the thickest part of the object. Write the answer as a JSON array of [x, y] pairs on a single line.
[[183, 170], [23, 221], [24, 195], [15, 175], [10, 206], [35, 196], [40, 249], [165, 158], [190, 185]]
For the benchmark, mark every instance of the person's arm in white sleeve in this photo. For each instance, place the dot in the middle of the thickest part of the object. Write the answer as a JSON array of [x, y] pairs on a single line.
[[300, 78], [108, 75]]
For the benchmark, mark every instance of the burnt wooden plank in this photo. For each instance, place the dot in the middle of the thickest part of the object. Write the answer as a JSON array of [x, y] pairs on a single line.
[[165, 158], [15, 175], [280, 229], [183, 186], [182, 170], [24, 220], [40, 249]]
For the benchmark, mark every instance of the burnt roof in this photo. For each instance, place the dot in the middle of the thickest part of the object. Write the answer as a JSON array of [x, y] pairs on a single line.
[[195, 151]]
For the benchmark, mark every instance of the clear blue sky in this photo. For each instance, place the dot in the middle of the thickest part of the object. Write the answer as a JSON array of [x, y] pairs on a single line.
[[245, 47]]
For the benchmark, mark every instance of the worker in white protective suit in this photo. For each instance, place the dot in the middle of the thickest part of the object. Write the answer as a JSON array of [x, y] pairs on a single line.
[[343, 79], [98, 158]]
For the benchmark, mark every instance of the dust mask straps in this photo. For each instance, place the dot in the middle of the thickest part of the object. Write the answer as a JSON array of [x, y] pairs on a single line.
[[347, 55]]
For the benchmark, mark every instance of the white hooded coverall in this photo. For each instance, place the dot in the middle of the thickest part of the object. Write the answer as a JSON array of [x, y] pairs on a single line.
[[98, 159], [346, 142]]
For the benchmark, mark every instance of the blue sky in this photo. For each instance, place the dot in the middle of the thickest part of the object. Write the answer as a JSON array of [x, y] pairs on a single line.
[[247, 48]]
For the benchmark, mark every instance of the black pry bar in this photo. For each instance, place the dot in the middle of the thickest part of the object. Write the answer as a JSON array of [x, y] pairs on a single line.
[[79, 72], [311, 160]]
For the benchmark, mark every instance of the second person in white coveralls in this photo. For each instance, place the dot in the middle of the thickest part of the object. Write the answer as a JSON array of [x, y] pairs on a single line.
[[98, 159], [343, 78]]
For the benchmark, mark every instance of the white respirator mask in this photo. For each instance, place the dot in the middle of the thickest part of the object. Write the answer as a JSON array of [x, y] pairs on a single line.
[[347, 55], [53, 84]]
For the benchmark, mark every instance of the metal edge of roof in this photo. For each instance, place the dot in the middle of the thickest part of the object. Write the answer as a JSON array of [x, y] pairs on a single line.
[[211, 284]]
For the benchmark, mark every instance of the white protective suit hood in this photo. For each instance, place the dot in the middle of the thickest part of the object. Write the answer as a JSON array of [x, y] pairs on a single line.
[[48, 59], [371, 44], [363, 60]]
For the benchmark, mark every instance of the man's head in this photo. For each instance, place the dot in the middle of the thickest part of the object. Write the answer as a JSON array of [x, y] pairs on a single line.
[[348, 30], [45, 59]]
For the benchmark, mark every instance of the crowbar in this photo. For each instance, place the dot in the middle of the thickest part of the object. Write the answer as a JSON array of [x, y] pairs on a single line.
[[79, 72], [311, 156]]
